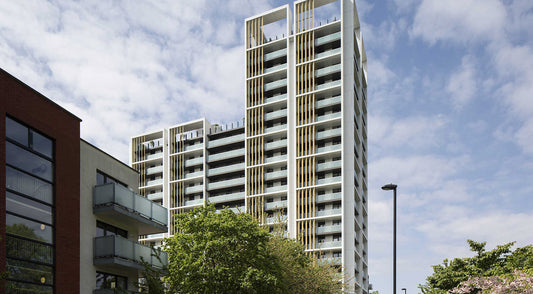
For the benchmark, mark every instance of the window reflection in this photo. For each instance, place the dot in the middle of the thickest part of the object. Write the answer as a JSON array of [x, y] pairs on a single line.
[[42, 144], [29, 208], [28, 161], [16, 132], [28, 229], [25, 184]]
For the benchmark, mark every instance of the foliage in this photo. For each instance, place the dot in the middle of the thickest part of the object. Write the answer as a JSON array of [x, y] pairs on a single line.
[[221, 253], [499, 261], [152, 277], [225, 252], [517, 282]]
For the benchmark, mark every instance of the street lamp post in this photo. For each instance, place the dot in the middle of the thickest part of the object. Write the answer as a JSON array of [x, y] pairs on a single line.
[[404, 291], [393, 187]]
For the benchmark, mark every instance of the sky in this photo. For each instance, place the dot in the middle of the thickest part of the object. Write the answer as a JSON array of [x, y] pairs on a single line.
[[450, 103]]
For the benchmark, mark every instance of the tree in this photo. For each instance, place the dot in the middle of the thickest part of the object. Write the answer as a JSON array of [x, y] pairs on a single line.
[[225, 252], [221, 253], [519, 281], [499, 261]]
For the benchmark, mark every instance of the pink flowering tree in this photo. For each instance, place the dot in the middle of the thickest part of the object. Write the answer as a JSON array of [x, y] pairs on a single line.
[[520, 281]]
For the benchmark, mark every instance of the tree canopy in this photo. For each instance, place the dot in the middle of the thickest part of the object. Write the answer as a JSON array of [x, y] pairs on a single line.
[[497, 262], [225, 252]]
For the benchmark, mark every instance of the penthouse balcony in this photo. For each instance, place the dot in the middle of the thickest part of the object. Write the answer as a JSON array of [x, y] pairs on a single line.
[[225, 141], [120, 253], [275, 54], [116, 202], [328, 39]]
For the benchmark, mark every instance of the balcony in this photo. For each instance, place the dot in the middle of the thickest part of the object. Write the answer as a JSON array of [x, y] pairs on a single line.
[[329, 148], [329, 229], [327, 245], [275, 189], [275, 98], [275, 84], [225, 141], [225, 169], [275, 54], [328, 180], [276, 114], [275, 175], [328, 102], [154, 170], [194, 174], [239, 209], [194, 202], [154, 182], [194, 146], [328, 212], [225, 184], [225, 155], [329, 197], [329, 165], [276, 158], [194, 161], [275, 128], [227, 197], [276, 144], [328, 53], [276, 205], [155, 196], [194, 189], [328, 116], [328, 134], [119, 203], [119, 252], [327, 70], [328, 39], [332, 84], [275, 68]]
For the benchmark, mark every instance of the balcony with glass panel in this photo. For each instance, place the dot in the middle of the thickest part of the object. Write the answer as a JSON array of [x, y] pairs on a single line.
[[225, 155], [329, 165], [154, 182], [328, 133], [194, 189], [194, 161], [331, 84], [327, 70], [225, 141], [328, 39], [276, 144], [328, 245], [276, 114], [225, 184], [275, 98], [275, 175], [334, 147], [328, 180], [323, 117], [120, 253], [328, 53], [225, 169], [328, 212], [329, 197], [194, 202], [329, 229], [275, 84], [275, 189], [275, 54], [275, 158], [328, 102], [154, 170], [275, 128], [116, 202], [227, 197], [275, 68], [276, 205]]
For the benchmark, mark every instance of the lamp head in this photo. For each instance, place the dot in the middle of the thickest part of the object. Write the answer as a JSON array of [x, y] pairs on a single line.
[[389, 187]]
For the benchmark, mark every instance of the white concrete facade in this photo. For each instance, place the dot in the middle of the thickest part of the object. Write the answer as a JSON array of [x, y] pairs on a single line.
[[300, 154]]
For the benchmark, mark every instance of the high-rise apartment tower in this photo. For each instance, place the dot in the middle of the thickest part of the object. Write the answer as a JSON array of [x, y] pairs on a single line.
[[300, 154]]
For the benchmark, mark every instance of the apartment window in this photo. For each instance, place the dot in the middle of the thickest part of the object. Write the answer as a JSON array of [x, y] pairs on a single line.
[[110, 281], [29, 209], [103, 229], [103, 178]]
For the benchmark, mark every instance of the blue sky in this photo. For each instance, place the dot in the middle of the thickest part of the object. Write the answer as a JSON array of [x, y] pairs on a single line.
[[450, 101]]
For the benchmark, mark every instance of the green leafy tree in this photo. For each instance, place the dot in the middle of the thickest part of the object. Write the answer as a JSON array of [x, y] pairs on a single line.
[[152, 277], [225, 252], [499, 261], [221, 253]]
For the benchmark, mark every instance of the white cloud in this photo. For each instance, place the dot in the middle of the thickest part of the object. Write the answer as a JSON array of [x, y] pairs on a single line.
[[459, 21], [462, 85]]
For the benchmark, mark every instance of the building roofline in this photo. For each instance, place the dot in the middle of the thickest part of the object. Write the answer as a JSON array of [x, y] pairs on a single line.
[[109, 155], [40, 94]]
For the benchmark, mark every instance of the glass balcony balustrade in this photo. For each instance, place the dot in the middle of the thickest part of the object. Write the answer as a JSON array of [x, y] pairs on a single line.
[[194, 189], [327, 70], [276, 144], [328, 102], [225, 184], [154, 156], [275, 175], [276, 54], [154, 182], [225, 169], [276, 158], [275, 128], [329, 197], [332, 84], [225, 141], [275, 68], [328, 39], [154, 170], [329, 229], [275, 84], [155, 196], [276, 114], [328, 116], [225, 155], [328, 165], [328, 134], [328, 53], [194, 202], [327, 245], [275, 98], [276, 205], [194, 161], [239, 209], [328, 180], [328, 148], [275, 189], [328, 212], [118, 251], [227, 197], [120, 203]]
